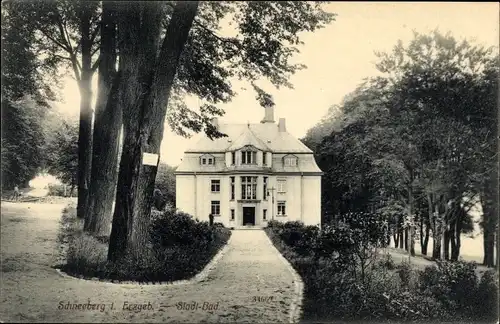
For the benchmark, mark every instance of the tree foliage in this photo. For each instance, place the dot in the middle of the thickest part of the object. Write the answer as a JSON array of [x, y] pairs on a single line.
[[62, 148], [421, 138]]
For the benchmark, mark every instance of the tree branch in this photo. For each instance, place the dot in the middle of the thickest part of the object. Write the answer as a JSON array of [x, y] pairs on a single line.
[[222, 39], [55, 41], [95, 51], [94, 33], [62, 57], [68, 39], [96, 64]]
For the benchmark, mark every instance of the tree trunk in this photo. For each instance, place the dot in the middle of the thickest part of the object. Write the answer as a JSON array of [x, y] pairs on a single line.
[[401, 238], [395, 236], [411, 216], [446, 247], [107, 125], [489, 202], [456, 243], [426, 238], [421, 234], [85, 127], [437, 235], [406, 239], [144, 134]]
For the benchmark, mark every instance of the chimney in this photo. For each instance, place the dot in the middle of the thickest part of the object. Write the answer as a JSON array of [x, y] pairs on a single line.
[[215, 123], [268, 115], [281, 125]]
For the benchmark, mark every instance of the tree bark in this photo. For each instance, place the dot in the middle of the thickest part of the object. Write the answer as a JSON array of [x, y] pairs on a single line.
[[406, 239], [144, 134], [107, 126], [446, 247], [489, 202], [85, 126], [395, 236], [401, 238], [426, 238], [411, 202]]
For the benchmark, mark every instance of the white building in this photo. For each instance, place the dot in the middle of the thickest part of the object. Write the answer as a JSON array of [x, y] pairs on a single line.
[[257, 173]]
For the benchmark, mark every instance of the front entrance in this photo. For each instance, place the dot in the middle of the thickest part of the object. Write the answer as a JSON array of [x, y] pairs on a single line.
[[248, 215]]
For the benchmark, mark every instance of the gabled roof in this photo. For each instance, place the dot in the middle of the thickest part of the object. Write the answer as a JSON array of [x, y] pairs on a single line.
[[265, 136], [248, 137]]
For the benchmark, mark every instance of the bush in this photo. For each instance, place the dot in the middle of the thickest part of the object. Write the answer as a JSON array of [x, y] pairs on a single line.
[[86, 252], [387, 262], [452, 283], [59, 190], [334, 289], [180, 248], [487, 298]]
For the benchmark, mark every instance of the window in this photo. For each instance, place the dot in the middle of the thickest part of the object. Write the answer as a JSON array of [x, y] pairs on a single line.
[[215, 208], [264, 191], [248, 157], [248, 187], [232, 214], [264, 214], [264, 158], [281, 185], [232, 188], [281, 208], [215, 186], [291, 161], [207, 160], [233, 158]]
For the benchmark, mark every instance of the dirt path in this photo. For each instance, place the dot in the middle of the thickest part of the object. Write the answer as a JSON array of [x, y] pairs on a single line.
[[31, 291]]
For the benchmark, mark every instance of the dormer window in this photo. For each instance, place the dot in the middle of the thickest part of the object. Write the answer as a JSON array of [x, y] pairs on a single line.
[[290, 161], [248, 157], [207, 160]]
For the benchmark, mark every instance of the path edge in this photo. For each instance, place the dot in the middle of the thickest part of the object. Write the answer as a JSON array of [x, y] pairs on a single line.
[[296, 304], [199, 277]]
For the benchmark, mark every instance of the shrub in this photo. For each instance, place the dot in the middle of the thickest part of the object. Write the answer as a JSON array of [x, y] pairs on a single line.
[[334, 289], [171, 229], [274, 224], [180, 248], [405, 273], [453, 283], [486, 301], [59, 190], [387, 262], [86, 252]]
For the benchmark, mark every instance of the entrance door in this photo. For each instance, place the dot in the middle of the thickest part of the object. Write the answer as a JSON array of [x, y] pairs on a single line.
[[248, 215]]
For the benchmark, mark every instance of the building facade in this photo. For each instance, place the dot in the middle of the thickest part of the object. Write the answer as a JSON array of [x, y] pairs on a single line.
[[258, 173]]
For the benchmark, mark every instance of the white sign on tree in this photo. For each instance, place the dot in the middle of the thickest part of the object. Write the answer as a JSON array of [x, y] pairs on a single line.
[[150, 159]]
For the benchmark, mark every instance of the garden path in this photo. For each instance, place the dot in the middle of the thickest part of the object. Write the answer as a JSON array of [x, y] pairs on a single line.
[[32, 291]]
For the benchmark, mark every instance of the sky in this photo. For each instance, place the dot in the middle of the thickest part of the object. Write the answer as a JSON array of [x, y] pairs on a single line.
[[338, 58]]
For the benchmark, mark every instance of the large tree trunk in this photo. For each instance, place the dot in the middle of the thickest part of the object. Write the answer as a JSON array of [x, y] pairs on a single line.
[[85, 127], [437, 234], [107, 126], [144, 134]]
